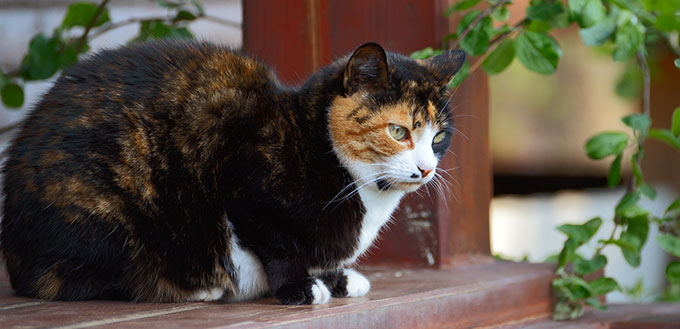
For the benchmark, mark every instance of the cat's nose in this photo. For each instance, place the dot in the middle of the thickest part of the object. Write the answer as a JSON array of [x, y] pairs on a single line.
[[424, 172]]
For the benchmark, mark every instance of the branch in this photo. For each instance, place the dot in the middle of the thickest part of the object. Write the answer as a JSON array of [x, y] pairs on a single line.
[[128, 21], [221, 21], [642, 61], [134, 20], [474, 22], [645, 95], [83, 38], [495, 42]]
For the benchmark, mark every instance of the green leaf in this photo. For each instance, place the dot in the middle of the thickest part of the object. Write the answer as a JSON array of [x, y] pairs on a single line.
[[629, 85], [476, 42], [639, 122], [82, 13], [633, 211], [674, 209], [675, 124], [576, 232], [573, 287], [586, 12], [179, 33], [500, 58], [637, 171], [635, 235], [668, 22], [461, 5], [665, 135], [673, 272], [648, 191], [43, 59], [595, 302], [426, 53], [539, 26], [606, 144], [156, 29], [670, 243], [567, 311], [538, 52], [592, 226], [603, 286], [621, 244], [12, 95], [598, 33], [460, 76], [544, 11], [587, 266], [184, 15], [500, 14], [628, 200], [568, 253], [169, 4], [614, 177], [629, 38]]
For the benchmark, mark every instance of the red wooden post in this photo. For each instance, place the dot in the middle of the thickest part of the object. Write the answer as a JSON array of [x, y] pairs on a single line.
[[300, 36]]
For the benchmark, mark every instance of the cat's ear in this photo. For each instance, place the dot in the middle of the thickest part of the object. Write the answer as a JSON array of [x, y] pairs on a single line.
[[446, 65], [367, 70]]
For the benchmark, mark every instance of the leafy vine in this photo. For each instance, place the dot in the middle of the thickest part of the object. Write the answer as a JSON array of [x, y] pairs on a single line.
[[628, 29]]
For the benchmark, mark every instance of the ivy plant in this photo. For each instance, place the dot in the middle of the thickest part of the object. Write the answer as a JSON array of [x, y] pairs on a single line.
[[628, 30], [83, 21]]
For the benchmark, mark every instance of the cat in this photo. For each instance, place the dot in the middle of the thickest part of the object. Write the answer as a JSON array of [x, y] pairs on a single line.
[[176, 171]]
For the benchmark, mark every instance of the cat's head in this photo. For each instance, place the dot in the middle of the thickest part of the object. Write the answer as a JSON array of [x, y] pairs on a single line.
[[391, 125]]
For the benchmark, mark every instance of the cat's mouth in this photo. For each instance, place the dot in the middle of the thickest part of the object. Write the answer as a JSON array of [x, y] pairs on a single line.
[[386, 185]]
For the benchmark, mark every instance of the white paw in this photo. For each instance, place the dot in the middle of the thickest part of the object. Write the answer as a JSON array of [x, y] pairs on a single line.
[[207, 295], [320, 292], [357, 284]]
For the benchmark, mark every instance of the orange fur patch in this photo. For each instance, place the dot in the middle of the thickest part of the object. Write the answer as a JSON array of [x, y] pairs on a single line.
[[48, 285], [74, 191], [362, 134]]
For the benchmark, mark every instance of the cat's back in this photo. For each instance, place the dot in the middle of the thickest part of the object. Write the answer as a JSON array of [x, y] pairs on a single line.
[[113, 146]]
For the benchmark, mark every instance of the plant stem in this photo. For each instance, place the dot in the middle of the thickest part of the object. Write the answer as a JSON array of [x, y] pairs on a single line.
[[83, 38], [221, 21], [134, 20], [474, 22], [646, 110], [611, 237], [495, 42]]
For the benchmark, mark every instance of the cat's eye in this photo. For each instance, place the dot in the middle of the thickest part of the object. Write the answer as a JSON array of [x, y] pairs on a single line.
[[398, 132], [438, 138]]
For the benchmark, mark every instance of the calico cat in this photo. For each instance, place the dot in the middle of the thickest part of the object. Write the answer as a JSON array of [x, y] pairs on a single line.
[[183, 171]]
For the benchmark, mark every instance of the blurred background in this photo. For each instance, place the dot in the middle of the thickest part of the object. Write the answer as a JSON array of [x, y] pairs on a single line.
[[542, 177]]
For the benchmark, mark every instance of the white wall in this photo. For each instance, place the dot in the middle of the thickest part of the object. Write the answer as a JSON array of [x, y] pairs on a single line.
[[21, 20], [525, 226]]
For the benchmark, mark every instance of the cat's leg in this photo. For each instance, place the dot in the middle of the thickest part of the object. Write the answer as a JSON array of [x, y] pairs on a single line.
[[292, 284], [346, 283]]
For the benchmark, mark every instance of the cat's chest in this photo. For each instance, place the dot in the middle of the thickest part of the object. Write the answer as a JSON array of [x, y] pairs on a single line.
[[379, 207]]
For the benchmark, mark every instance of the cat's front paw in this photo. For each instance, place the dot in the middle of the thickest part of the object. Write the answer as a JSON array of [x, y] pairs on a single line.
[[309, 291], [357, 284], [320, 293]]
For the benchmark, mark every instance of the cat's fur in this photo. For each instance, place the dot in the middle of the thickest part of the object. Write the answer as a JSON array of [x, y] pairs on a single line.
[[179, 171]]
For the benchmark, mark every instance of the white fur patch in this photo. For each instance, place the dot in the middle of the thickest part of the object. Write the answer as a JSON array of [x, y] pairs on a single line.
[[252, 281], [320, 293], [357, 284], [207, 295], [379, 207]]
